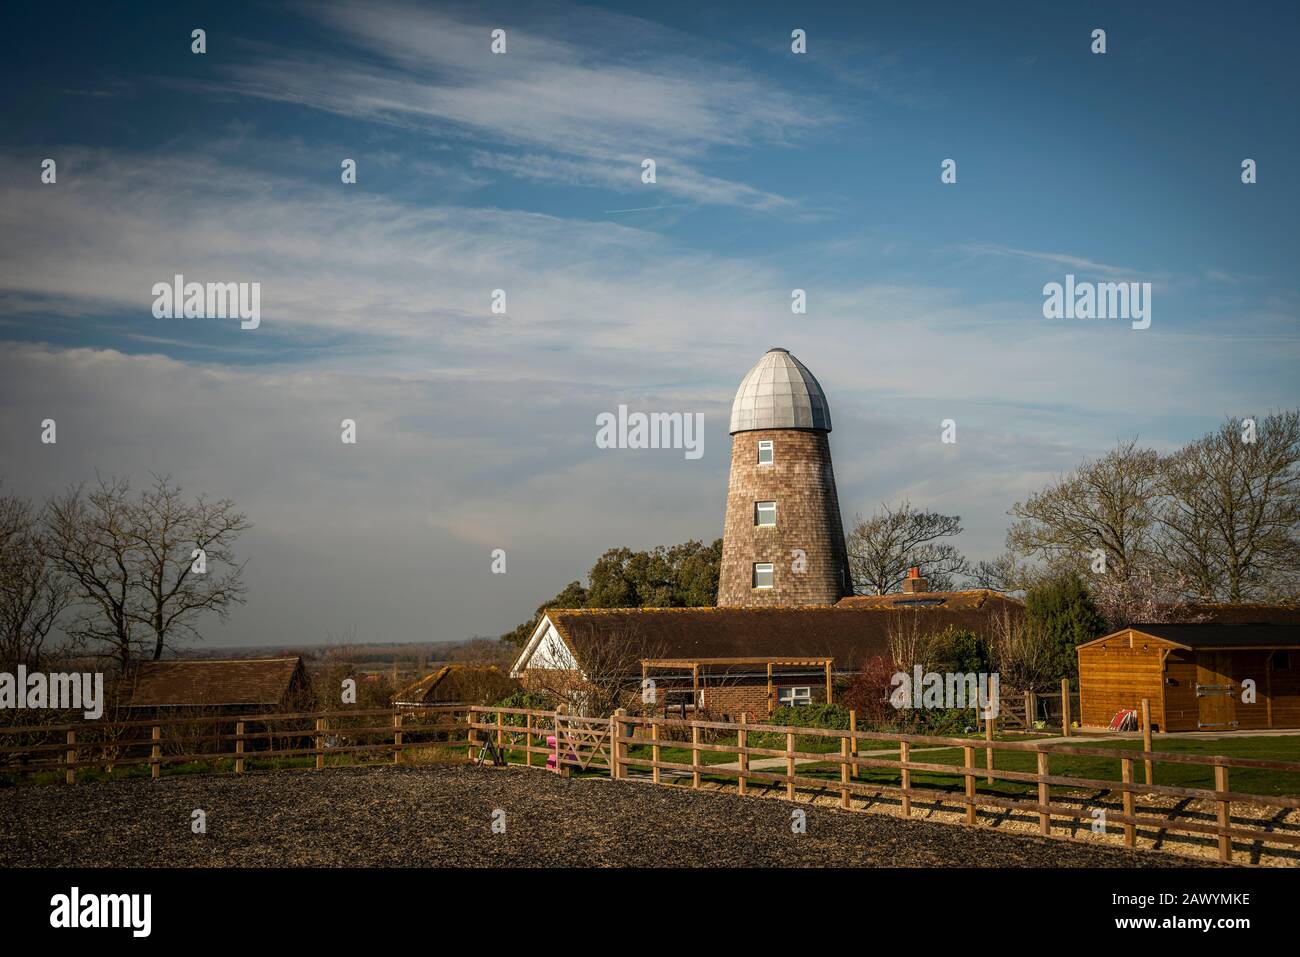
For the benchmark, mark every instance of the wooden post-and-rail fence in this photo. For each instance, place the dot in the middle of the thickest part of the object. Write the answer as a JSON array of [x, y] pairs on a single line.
[[623, 743]]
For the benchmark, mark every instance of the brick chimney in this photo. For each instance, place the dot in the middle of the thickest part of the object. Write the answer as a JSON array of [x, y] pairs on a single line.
[[914, 584]]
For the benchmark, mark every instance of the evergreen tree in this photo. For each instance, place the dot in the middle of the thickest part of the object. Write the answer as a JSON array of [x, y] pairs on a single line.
[[1067, 617]]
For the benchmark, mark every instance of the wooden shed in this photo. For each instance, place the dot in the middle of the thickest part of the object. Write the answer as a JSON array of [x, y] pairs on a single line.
[[1205, 676]]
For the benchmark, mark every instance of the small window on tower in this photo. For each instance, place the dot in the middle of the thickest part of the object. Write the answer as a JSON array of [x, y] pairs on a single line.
[[763, 575], [765, 513], [765, 452]]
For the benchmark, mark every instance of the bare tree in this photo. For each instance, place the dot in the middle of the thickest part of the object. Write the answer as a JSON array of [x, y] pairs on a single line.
[[145, 569], [605, 674], [1008, 573], [185, 565], [1145, 596], [33, 594], [883, 547], [1020, 652], [912, 640], [1107, 504], [91, 542], [1232, 510]]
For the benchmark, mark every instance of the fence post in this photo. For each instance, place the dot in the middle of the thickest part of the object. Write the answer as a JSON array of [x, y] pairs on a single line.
[[695, 755], [472, 734], [561, 746], [989, 723], [742, 742], [1033, 708], [239, 747], [155, 753], [844, 772], [1029, 714], [70, 774], [789, 765], [397, 738], [320, 744], [654, 751], [853, 731], [969, 756], [1065, 707], [1044, 797], [616, 770], [1225, 813], [1146, 735], [1126, 775], [904, 754], [528, 740]]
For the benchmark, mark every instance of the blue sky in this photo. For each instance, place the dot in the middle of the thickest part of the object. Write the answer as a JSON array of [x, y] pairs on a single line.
[[775, 171]]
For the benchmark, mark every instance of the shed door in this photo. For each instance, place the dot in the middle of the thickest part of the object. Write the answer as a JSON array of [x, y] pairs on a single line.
[[1216, 695]]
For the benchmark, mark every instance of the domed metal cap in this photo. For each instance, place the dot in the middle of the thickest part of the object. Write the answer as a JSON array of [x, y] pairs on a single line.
[[779, 393]]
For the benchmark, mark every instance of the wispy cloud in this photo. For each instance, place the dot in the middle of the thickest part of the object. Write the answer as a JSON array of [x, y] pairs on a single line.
[[581, 105], [1056, 259]]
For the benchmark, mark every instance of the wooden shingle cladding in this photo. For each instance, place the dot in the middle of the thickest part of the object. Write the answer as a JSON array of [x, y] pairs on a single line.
[[242, 683], [1194, 675]]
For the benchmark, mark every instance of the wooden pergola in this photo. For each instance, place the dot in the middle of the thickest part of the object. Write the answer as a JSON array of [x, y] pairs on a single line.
[[694, 665]]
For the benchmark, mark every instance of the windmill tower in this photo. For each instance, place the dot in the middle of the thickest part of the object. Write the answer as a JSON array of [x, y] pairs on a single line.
[[783, 542]]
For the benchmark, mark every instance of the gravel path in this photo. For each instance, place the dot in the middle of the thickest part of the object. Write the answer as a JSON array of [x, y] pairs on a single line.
[[442, 816]]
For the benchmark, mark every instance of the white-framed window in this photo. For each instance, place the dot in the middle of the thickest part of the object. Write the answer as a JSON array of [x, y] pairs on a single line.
[[765, 452], [765, 513], [793, 696], [763, 573]]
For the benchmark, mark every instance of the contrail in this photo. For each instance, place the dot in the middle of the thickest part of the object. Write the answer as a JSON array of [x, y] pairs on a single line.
[[642, 209]]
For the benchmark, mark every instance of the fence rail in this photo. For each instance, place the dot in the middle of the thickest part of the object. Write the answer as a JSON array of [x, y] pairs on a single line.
[[572, 743], [849, 761]]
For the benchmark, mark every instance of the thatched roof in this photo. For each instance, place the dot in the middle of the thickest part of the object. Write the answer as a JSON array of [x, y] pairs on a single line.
[[1244, 613], [849, 633], [456, 684], [975, 598], [211, 683]]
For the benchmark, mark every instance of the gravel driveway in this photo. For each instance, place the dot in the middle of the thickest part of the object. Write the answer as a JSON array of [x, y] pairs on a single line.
[[442, 816]]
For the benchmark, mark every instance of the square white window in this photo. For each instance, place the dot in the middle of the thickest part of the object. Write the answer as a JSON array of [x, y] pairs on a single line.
[[765, 452], [765, 513], [793, 696], [763, 574]]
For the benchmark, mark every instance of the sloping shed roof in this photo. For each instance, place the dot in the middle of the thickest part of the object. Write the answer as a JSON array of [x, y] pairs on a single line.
[[1212, 634], [1225, 635], [623, 636], [211, 683]]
